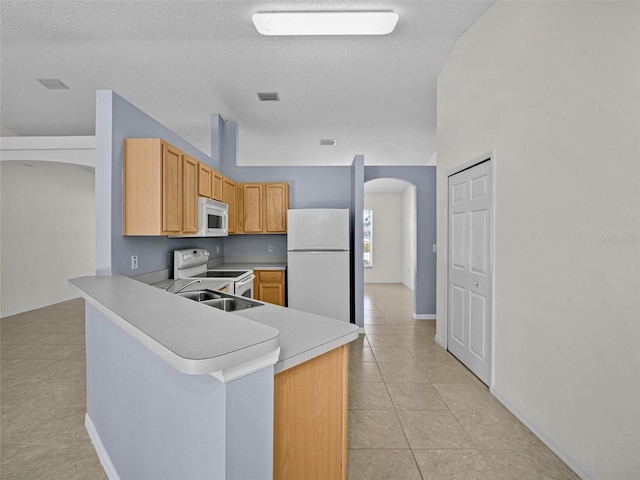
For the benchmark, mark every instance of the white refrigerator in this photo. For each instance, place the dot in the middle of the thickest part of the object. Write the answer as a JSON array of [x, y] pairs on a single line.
[[318, 262]]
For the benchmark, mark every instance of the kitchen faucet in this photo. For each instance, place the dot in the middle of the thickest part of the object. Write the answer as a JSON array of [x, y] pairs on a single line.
[[197, 280]]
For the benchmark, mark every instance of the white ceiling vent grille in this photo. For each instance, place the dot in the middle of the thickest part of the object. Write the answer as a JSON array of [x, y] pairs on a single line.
[[328, 142], [268, 96], [52, 83]]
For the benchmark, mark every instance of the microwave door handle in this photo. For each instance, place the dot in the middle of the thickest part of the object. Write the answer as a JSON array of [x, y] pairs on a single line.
[[247, 280]]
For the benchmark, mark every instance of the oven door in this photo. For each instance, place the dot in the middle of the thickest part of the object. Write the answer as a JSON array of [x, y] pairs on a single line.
[[244, 287]]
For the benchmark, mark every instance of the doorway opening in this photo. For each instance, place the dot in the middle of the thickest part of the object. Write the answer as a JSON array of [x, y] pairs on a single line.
[[390, 238]]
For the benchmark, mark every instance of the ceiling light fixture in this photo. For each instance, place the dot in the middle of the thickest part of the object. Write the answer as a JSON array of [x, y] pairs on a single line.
[[52, 83], [365, 22], [328, 142]]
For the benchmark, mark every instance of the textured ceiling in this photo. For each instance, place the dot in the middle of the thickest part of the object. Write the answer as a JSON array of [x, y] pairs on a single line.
[[181, 61]]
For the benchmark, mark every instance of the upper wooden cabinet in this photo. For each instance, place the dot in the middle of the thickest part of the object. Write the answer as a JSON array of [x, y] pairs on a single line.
[[205, 181], [265, 207], [229, 196], [160, 189], [253, 210], [216, 186], [209, 182], [276, 206], [190, 167]]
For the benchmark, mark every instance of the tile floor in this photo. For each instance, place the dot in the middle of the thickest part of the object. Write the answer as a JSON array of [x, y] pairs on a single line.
[[414, 411], [43, 396]]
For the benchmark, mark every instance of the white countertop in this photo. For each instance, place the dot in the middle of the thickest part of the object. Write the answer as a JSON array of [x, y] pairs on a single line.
[[197, 338], [251, 266]]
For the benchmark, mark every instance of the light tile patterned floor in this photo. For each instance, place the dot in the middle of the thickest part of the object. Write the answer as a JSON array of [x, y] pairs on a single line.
[[415, 412], [43, 396]]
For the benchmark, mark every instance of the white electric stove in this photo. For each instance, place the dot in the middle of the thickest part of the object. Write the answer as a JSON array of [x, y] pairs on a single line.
[[192, 263]]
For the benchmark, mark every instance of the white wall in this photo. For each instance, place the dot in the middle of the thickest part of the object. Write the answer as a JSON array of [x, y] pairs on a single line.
[[554, 88], [48, 233], [387, 237], [409, 236]]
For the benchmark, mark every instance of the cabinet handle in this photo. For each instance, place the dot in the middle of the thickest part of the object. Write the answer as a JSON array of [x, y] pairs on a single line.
[[475, 283]]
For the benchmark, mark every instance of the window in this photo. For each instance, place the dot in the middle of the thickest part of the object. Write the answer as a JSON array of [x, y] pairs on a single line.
[[367, 221]]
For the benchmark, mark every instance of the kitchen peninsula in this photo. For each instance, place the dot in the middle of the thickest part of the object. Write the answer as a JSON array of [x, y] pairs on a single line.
[[178, 389]]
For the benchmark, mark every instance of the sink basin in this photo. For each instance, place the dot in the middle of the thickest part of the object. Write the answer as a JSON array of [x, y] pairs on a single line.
[[231, 304], [221, 301], [200, 295]]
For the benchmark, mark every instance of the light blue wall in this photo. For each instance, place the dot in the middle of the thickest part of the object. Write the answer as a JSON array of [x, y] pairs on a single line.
[[158, 423], [117, 119], [143, 409], [309, 187], [424, 179]]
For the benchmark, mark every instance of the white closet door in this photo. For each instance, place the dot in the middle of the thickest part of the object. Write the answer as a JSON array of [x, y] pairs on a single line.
[[469, 288]]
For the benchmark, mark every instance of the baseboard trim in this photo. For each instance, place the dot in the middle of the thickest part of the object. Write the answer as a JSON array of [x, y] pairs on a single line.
[[36, 306], [361, 330], [572, 462], [440, 342], [103, 456], [424, 316]]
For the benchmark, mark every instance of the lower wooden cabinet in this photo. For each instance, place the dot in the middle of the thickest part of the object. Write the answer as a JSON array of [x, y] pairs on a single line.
[[268, 286], [310, 419]]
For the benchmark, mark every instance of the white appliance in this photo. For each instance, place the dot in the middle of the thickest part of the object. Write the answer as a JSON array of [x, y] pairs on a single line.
[[318, 259], [192, 263], [213, 219]]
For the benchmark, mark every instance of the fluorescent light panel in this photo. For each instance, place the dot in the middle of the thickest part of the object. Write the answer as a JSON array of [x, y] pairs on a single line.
[[326, 23]]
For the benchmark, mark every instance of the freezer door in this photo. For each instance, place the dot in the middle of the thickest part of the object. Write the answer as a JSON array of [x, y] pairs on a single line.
[[318, 282], [318, 229]]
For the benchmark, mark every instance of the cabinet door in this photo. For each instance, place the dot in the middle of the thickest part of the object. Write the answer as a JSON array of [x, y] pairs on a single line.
[[190, 195], [229, 197], [142, 187], [310, 419], [216, 186], [171, 189], [276, 205], [269, 286], [253, 217], [205, 181]]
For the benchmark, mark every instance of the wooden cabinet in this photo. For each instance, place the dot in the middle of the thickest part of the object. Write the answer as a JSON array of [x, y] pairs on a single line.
[[171, 189], [161, 185], [253, 208], [190, 189], [265, 207], [268, 286], [216, 185], [310, 419], [230, 197], [276, 206], [205, 181]]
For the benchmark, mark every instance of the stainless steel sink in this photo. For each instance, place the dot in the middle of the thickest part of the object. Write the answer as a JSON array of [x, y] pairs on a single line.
[[231, 304], [200, 295], [219, 300]]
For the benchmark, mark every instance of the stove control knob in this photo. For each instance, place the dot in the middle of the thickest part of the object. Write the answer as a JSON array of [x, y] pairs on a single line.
[[185, 256]]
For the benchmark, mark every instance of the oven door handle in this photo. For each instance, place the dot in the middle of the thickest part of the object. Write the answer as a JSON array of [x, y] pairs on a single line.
[[245, 281]]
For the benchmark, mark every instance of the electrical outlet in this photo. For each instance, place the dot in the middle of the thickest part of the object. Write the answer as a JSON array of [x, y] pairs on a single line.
[[270, 248], [134, 262], [435, 248]]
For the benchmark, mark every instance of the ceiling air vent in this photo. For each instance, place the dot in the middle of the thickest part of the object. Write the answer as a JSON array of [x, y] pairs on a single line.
[[268, 96], [328, 142], [52, 83]]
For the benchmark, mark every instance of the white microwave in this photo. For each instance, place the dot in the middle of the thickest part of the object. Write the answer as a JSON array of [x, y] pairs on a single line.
[[213, 218]]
